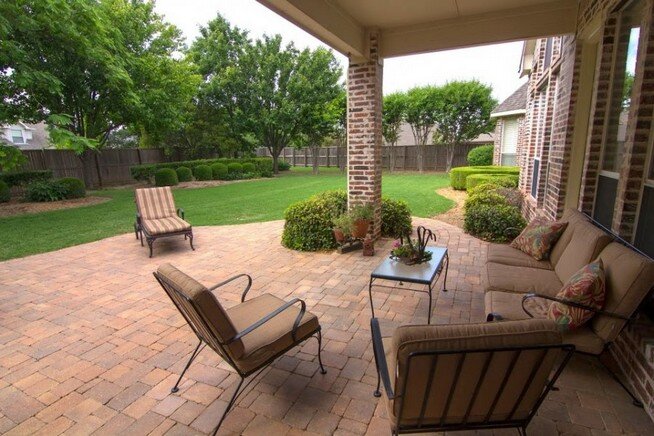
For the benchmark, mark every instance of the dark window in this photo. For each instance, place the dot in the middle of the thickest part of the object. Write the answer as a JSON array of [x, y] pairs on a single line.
[[548, 53], [534, 178]]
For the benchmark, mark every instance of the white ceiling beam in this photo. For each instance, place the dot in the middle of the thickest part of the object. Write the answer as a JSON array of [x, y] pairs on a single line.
[[554, 18], [326, 21]]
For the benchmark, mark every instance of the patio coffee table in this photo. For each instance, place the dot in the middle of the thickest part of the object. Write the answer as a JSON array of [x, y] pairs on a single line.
[[426, 273]]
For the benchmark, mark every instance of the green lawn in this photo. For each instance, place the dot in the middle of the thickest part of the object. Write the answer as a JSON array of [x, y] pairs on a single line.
[[245, 202]]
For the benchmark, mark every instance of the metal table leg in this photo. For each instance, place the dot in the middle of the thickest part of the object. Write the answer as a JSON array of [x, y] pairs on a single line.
[[429, 314], [372, 307], [447, 267]]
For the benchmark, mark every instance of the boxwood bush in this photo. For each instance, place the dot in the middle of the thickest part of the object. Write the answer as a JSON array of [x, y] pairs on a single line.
[[5, 194], [75, 188], [45, 190], [23, 178], [308, 224], [282, 165], [165, 177], [184, 174], [396, 218], [482, 155], [459, 175], [494, 222], [234, 168], [145, 173], [249, 167], [202, 172], [218, 171], [506, 180]]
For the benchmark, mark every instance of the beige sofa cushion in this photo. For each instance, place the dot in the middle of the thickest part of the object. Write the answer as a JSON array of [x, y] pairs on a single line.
[[572, 217], [507, 255], [509, 278], [585, 245], [509, 306], [409, 339], [629, 277]]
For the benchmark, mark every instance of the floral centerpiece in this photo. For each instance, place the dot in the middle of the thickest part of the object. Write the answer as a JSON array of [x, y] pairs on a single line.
[[413, 252]]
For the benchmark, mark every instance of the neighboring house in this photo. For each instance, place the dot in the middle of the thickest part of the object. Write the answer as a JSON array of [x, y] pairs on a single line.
[[509, 130], [26, 136], [406, 137]]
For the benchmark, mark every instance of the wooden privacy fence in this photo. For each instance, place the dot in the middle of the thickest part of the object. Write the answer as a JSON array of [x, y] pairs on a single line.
[[105, 168], [405, 156]]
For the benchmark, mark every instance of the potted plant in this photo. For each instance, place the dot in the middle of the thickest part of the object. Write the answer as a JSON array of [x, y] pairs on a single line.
[[343, 227], [412, 252], [361, 217]]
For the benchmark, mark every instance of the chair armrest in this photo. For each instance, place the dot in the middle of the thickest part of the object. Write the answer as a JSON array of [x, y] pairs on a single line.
[[180, 212], [570, 303], [380, 357], [245, 291], [271, 315], [138, 218]]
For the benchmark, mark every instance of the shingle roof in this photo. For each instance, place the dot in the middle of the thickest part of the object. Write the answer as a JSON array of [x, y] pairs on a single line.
[[516, 101]]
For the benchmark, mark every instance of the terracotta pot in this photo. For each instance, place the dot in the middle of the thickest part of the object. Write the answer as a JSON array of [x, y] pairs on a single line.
[[360, 229], [339, 235]]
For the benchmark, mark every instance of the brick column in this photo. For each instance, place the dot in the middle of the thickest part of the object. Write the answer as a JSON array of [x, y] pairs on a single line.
[[364, 134]]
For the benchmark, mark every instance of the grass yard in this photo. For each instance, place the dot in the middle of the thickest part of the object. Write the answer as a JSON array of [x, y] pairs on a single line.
[[244, 202]]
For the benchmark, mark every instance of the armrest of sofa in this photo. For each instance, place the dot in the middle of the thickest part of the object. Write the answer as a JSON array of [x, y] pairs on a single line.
[[569, 303]]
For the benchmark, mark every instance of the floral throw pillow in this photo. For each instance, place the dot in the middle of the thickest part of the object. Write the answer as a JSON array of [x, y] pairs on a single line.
[[586, 286], [538, 238]]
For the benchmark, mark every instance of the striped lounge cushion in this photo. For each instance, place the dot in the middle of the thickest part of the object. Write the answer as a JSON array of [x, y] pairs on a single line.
[[155, 203], [162, 226]]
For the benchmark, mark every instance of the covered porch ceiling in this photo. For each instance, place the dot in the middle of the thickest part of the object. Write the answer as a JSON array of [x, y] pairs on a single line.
[[418, 26]]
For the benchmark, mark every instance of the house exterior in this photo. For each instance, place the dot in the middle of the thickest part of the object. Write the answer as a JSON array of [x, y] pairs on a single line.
[[26, 136], [509, 127]]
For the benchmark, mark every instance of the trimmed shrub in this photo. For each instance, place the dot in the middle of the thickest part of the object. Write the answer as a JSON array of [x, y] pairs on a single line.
[[5, 194], [282, 165], [482, 155], [219, 171], [506, 180], [249, 167], [45, 190], [493, 222], [184, 174], [165, 177], [146, 172], [234, 168], [486, 198], [202, 172], [22, 178], [459, 175], [75, 188], [308, 224], [396, 218]]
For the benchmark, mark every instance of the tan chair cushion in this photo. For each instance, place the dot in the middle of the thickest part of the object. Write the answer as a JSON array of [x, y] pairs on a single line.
[[162, 226], [412, 339], [509, 278], [208, 307], [585, 245], [629, 277], [509, 306], [507, 255], [571, 216], [155, 203], [274, 336]]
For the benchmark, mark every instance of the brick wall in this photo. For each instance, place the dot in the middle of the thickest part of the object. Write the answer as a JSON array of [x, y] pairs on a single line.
[[364, 134], [497, 143]]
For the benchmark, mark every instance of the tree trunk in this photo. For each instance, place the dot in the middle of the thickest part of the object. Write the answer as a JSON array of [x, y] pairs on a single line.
[[275, 158], [450, 157], [315, 156], [391, 158], [421, 158]]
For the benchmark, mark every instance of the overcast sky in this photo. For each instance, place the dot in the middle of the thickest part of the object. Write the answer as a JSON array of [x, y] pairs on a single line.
[[496, 65]]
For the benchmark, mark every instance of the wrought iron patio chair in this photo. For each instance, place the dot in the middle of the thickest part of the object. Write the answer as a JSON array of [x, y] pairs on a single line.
[[156, 216], [248, 336], [467, 376]]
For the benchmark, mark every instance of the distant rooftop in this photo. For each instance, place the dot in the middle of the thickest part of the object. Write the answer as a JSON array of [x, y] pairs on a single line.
[[515, 104]]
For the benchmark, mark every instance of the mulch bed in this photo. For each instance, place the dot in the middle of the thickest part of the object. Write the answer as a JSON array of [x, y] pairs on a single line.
[[453, 216], [17, 207]]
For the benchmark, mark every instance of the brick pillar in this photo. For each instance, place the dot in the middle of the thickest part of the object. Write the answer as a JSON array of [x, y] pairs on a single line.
[[364, 133]]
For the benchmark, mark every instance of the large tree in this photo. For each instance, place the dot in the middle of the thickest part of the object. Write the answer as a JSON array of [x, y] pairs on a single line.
[[393, 114], [101, 64], [462, 113], [421, 103]]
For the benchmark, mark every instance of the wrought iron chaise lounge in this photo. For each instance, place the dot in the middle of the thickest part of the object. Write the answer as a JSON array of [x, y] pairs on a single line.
[[156, 216], [248, 336]]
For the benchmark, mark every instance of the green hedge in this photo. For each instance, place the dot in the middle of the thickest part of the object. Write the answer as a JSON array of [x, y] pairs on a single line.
[[234, 168], [75, 188], [165, 177], [249, 167], [492, 212], [202, 172], [219, 171], [459, 175], [396, 218], [146, 172], [22, 178], [506, 180], [45, 190], [184, 174], [482, 155], [282, 165], [5, 194]]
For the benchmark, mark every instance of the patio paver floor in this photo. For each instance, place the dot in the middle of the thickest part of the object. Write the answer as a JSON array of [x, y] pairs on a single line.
[[91, 343]]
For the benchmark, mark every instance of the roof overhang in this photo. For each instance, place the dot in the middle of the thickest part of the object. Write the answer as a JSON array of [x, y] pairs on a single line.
[[422, 26], [508, 113]]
